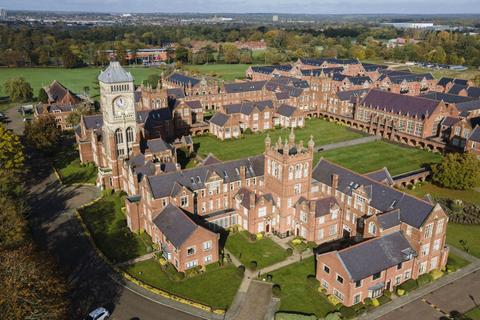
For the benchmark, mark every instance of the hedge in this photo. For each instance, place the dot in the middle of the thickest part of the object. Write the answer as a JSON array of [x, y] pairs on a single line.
[[408, 285], [293, 316], [424, 279]]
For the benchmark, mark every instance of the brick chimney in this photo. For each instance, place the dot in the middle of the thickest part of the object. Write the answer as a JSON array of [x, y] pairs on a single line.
[[334, 181], [252, 199]]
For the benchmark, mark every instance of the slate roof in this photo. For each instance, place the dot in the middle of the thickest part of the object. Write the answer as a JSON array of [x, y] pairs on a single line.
[[58, 93], [447, 97], [399, 103], [369, 67], [220, 119], [456, 88], [351, 94], [389, 219], [167, 184], [473, 92], [244, 194], [115, 73], [210, 159], [247, 107], [319, 71], [175, 225], [286, 110], [475, 135], [466, 107], [412, 77], [372, 256], [412, 210], [182, 80], [445, 80], [158, 145], [247, 86], [449, 121], [381, 176], [176, 93], [319, 62], [149, 117], [93, 122], [322, 206]]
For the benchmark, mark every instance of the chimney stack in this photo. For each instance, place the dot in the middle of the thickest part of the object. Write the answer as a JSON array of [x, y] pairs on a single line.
[[335, 181]]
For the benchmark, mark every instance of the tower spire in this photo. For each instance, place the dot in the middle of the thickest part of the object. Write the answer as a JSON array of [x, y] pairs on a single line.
[[291, 137]]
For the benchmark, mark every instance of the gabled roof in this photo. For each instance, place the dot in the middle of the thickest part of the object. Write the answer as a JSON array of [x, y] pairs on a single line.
[[382, 175], [399, 103], [176, 93], [323, 206], [247, 107], [93, 121], [319, 71], [244, 86], [115, 73], [245, 196], [450, 121], [286, 110], [58, 93], [373, 256], [350, 95], [220, 119], [445, 80], [475, 135], [210, 159], [456, 88], [158, 145], [175, 225], [183, 80], [389, 219], [447, 97], [473, 92], [413, 211], [466, 107]]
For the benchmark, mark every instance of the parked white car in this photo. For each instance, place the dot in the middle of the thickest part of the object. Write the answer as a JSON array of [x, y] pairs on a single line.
[[98, 314]]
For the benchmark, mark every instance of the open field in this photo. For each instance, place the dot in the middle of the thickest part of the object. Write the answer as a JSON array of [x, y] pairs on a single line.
[[323, 132], [74, 79], [297, 295], [372, 156], [468, 233], [226, 72], [108, 226], [216, 287], [264, 252], [422, 189]]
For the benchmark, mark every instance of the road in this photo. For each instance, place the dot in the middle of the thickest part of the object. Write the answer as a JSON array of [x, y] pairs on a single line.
[[91, 281]]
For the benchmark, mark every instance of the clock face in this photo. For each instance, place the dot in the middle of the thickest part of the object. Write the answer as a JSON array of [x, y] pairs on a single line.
[[121, 103]]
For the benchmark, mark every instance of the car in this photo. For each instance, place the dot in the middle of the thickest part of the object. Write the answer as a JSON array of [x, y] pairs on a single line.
[[98, 314]]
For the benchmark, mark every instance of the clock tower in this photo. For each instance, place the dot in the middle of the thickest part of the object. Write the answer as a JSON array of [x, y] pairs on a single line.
[[119, 136]]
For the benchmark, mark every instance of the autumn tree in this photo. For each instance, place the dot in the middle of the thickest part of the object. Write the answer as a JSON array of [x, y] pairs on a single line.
[[43, 134], [19, 90], [11, 159], [12, 223], [75, 116], [231, 53], [457, 171]]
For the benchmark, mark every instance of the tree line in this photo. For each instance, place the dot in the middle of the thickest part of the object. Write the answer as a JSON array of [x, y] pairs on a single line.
[[67, 46]]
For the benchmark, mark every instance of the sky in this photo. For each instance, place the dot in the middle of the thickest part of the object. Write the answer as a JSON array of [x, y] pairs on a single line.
[[246, 6]]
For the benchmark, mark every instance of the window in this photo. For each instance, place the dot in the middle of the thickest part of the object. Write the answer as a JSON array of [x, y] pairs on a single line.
[[207, 245], [428, 231], [423, 267], [358, 284], [332, 230], [191, 264], [320, 234], [407, 275], [190, 251], [372, 228], [377, 275], [339, 279], [334, 213], [425, 249], [399, 266], [357, 298], [436, 244], [298, 189], [398, 279], [324, 284], [184, 201], [326, 269], [338, 294], [208, 259], [262, 211], [433, 263], [129, 134], [118, 136], [303, 216], [440, 226]]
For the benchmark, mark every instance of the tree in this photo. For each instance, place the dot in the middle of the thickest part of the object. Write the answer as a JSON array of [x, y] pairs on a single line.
[[12, 223], [31, 287], [231, 53], [121, 53], [457, 171], [43, 134], [11, 159], [19, 90], [42, 96], [70, 60], [181, 54], [75, 116], [152, 80]]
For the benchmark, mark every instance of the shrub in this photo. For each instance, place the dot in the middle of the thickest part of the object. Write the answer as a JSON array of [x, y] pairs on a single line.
[[322, 290], [333, 316], [293, 316], [178, 276], [253, 265], [312, 244], [269, 277], [289, 251], [375, 302], [162, 261], [252, 237], [193, 271], [247, 131], [367, 301], [387, 293], [400, 292], [259, 236], [347, 312], [408, 285], [424, 279], [436, 274], [451, 268], [241, 270], [333, 300], [276, 290], [297, 241]]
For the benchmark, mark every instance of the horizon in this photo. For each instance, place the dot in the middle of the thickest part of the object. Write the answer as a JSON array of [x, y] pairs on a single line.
[[289, 7]]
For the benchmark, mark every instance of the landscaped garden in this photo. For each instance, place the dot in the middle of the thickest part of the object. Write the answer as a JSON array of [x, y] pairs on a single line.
[[323, 132], [70, 169], [215, 287], [254, 253], [372, 156], [464, 237], [107, 224], [297, 294]]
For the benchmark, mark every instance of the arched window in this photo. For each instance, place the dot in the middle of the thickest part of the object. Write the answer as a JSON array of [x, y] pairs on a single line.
[[129, 134], [290, 173], [118, 136], [372, 228], [298, 171], [305, 169]]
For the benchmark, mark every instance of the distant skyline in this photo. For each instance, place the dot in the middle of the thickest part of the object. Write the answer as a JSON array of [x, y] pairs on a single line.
[[251, 6]]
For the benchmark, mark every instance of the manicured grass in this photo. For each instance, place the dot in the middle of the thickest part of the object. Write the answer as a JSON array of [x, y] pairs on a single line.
[[372, 156], [456, 261], [323, 132], [74, 79], [216, 287], [474, 314], [226, 72], [465, 232], [71, 170], [265, 252], [296, 294], [108, 226], [421, 190]]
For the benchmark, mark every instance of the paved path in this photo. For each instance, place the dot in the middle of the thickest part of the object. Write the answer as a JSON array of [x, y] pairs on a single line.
[[145, 257], [255, 303], [458, 291]]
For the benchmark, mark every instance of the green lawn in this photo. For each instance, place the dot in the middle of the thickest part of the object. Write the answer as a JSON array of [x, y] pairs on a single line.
[[456, 261], [470, 196], [474, 314], [372, 156], [323, 132], [468, 233], [216, 287], [74, 79], [265, 252], [227, 72], [71, 170], [296, 294], [108, 226]]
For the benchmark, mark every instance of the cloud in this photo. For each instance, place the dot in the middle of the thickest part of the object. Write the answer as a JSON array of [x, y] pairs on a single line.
[[245, 6]]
